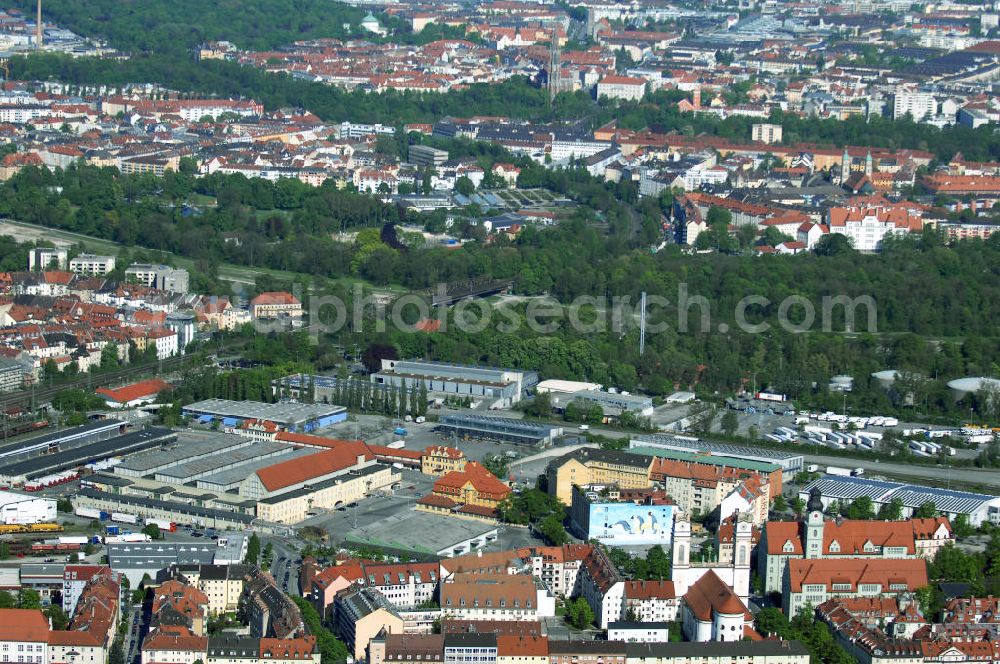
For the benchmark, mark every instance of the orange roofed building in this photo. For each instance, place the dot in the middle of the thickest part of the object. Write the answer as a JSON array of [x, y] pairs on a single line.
[[472, 492], [440, 460], [133, 395], [817, 537], [712, 611], [271, 305], [812, 582], [288, 491]]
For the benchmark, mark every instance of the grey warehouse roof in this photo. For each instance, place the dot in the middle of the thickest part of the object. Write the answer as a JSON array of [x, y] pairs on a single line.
[[280, 413], [912, 495]]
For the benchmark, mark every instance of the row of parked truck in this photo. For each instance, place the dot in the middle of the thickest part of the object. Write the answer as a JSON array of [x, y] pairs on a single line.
[[114, 533], [826, 436]]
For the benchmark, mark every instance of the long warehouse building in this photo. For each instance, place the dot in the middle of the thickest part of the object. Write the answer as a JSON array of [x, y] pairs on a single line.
[[500, 428], [791, 462], [300, 417], [150, 508], [19, 472], [59, 440], [979, 508]]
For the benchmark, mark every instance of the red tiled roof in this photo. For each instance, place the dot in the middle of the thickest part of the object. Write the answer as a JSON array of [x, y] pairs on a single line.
[[432, 500], [274, 297], [710, 594], [312, 441], [23, 625], [910, 573], [621, 80], [302, 469], [649, 590], [126, 393], [301, 648], [481, 479], [522, 646]]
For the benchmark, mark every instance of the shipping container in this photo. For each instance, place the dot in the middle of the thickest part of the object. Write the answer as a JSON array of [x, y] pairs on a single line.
[[770, 396], [73, 539]]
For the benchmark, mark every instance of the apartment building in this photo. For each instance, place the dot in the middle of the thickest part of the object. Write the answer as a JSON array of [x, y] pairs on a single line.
[[175, 602], [558, 567], [161, 277], [918, 105], [75, 578], [360, 614], [496, 597], [268, 611], [766, 133], [602, 587], [648, 601], [470, 649], [867, 227], [597, 466], [221, 585], [700, 485], [522, 649], [46, 258], [639, 632], [405, 585], [174, 647], [24, 636], [399, 648], [626, 88], [91, 264]]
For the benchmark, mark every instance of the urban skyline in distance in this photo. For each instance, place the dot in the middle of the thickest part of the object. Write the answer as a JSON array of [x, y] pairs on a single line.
[[499, 332]]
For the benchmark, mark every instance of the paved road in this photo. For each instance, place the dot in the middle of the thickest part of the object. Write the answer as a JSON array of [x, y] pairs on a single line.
[[941, 475]]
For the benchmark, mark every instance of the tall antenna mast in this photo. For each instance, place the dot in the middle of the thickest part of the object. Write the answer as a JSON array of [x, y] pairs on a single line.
[[38, 27]]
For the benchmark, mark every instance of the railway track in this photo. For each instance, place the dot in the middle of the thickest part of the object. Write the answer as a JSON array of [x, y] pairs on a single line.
[[42, 393]]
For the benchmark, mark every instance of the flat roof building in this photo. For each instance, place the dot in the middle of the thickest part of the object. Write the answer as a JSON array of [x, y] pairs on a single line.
[[93, 265], [22, 470], [136, 559], [790, 462], [425, 155], [406, 532], [500, 428], [288, 416], [611, 403], [979, 508], [507, 386], [74, 436]]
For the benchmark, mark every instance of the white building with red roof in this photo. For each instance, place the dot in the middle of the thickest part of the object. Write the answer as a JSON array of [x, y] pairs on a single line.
[[275, 304], [819, 538], [810, 582], [136, 394], [626, 88]]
